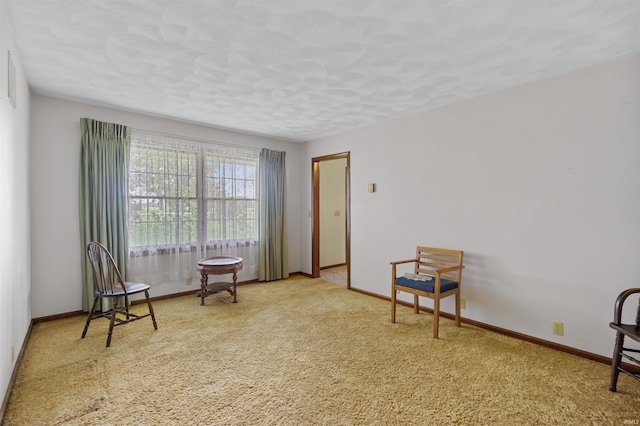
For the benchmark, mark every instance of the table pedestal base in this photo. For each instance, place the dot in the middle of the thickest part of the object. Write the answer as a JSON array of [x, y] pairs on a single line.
[[207, 289]]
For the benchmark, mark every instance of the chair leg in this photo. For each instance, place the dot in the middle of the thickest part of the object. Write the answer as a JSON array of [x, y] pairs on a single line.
[[153, 317], [89, 317], [126, 307], [458, 308], [113, 320], [416, 309], [615, 361], [393, 304], [436, 316]]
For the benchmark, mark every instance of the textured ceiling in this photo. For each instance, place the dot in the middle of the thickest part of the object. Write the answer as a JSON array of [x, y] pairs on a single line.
[[303, 69]]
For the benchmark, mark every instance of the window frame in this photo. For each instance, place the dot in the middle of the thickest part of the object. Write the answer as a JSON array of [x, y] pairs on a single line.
[[222, 155]]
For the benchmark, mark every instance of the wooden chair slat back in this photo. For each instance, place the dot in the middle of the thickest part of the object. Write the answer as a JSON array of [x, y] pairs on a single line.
[[430, 259]]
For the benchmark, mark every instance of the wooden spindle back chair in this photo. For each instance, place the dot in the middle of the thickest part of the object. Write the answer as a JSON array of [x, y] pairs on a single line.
[[108, 284], [631, 331]]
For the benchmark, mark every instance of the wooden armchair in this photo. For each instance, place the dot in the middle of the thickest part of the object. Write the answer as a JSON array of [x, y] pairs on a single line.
[[437, 274], [619, 351]]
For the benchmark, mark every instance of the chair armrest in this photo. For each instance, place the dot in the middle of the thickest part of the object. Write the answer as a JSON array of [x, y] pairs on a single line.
[[449, 269], [398, 262], [617, 315]]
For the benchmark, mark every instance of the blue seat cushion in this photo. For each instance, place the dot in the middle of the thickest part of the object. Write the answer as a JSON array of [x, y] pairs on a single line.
[[428, 286]]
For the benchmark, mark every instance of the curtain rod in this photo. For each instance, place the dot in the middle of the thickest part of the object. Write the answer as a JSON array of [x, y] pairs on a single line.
[[207, 141]]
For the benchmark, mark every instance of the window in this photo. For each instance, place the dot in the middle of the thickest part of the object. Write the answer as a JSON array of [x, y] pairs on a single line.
[[230, 202], [163, 202], [190, 197]]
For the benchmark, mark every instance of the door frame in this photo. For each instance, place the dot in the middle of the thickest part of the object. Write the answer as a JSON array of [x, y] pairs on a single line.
[[315, 238]]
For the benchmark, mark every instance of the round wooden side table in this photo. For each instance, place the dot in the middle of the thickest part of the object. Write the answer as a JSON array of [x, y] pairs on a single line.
[[218, 265]]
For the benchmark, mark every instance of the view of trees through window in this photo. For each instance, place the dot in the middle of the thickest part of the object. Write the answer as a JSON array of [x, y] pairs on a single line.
[[182, 197]]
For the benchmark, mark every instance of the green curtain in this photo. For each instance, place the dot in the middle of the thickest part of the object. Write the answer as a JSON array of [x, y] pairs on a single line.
[[104, 174], [273, 252]]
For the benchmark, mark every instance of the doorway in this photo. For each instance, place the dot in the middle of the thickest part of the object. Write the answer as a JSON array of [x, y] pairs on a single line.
[[317, 215]]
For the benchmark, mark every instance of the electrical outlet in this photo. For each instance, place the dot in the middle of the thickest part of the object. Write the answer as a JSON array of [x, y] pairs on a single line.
[[463, 303], [558, 328]]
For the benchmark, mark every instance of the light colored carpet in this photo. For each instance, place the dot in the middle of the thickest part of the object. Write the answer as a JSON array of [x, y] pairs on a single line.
[[337, 274], [304, 352]]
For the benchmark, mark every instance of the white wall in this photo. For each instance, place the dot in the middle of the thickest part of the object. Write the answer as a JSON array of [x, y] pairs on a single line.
[[333, 224], [15, 279], [539, 185], [56, 248]]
